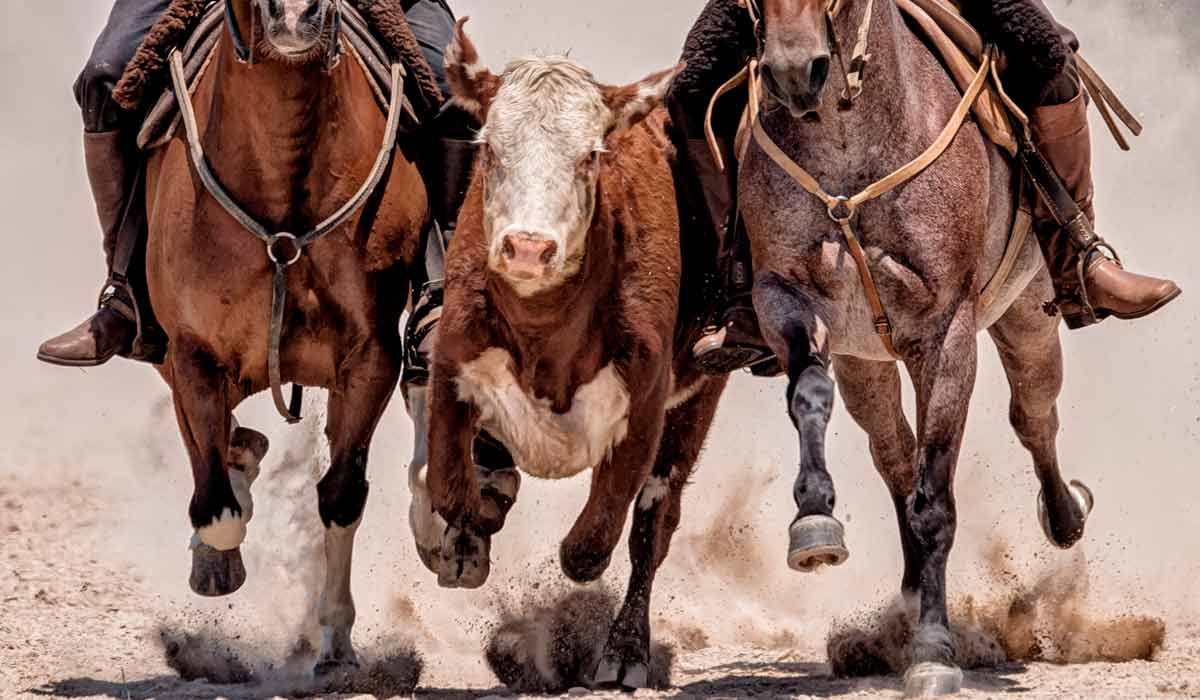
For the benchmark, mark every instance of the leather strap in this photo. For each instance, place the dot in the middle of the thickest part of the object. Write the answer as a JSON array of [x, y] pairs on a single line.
[[284, 249], [843, 209], [1105, 98]]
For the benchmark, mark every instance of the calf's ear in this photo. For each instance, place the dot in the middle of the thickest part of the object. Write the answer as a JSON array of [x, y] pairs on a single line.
[[629, 104], [473, 84]]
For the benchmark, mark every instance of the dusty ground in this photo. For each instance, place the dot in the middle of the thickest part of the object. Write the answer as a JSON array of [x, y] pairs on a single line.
[[78, 624]]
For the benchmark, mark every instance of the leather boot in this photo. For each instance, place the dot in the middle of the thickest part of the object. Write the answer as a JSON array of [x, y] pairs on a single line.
[[1090, 284], [733, 341], [113, 328], [447, 174]]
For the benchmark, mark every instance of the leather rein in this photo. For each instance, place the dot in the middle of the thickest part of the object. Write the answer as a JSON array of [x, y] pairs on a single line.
[[284, 249], [843, 208]]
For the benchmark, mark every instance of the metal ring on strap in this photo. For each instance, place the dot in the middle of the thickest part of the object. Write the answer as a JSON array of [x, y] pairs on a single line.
[[284, 249], [286, 254]]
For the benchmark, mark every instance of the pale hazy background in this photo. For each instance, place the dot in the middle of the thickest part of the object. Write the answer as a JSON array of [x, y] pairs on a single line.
[[1130, 408]]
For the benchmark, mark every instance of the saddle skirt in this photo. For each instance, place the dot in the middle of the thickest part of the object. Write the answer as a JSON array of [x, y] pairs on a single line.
[[162, 120]]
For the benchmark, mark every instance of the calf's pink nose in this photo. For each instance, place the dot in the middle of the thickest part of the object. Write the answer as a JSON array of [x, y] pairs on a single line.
[[527, 256]]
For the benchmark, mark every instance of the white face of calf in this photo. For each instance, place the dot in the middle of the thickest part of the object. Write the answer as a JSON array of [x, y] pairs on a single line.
[[545, 124]]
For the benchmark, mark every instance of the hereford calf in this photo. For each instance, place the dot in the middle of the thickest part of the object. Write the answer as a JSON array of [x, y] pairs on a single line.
[[561, 334]]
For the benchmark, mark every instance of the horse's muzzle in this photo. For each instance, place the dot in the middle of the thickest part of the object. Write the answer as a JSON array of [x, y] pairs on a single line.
[[294, 27], [798, 85]]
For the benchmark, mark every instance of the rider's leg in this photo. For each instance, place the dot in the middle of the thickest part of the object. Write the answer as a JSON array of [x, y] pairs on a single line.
[[111, 159], [719, 44], [1090, 285], [445, 154], [1041, 75]]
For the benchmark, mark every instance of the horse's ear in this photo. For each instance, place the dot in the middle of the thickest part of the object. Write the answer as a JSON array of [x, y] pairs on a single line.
[[474, 85], [631, 103]]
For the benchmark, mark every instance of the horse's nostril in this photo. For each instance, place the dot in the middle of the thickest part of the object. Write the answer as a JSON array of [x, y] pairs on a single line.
[[507, 250], [818, 73], [548, 253], [275, 8], [311, 11], [768, 76]]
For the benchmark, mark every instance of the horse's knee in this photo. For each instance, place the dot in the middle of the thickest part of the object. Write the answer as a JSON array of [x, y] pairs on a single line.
[[342, 492]]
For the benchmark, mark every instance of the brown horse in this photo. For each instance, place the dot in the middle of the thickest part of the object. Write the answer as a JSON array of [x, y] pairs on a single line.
[[291, 136], [932, 245]]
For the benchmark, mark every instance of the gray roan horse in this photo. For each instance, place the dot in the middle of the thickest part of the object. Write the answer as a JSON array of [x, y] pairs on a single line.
[[931, 244]]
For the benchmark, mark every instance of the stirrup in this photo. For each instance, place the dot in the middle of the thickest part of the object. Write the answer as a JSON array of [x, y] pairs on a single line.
[[421, 322], [149, 343], [714, 355], [1076, 308]]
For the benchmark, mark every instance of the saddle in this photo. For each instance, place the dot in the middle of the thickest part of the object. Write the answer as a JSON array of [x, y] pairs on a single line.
[[197, 47]]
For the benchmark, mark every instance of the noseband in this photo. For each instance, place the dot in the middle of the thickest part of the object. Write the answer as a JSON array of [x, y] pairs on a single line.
[[245, 52]]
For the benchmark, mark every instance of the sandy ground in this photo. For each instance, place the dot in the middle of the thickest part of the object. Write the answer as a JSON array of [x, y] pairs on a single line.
[[94, 481], [79, 624]]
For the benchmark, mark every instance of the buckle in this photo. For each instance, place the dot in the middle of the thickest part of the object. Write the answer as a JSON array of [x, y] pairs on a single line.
[[883, 326]]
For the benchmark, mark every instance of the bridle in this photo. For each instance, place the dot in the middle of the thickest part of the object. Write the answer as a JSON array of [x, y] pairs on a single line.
[[843, 209], [245, 51], [284, 249]]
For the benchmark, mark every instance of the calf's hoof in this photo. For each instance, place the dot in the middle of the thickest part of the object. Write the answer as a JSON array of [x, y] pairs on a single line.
[[582, 564], [614, 673], [215, 572], [816, 541], [464, 559], [498, 490], [931, 680], [1082, 502]]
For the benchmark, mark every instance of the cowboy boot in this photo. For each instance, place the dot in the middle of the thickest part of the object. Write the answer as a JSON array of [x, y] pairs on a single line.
[[447, 175], [113, 328], [733, 341], [1090, 284]]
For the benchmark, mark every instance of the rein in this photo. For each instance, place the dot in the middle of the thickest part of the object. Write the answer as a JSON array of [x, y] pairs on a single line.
[[843, 209], [284, 249]]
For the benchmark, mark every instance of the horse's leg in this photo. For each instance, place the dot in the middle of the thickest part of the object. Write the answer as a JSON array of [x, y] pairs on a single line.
[[871, 391], [1032, 356], [795, 330], [944, 378], [626, 656], [356, 402], [202, 408]]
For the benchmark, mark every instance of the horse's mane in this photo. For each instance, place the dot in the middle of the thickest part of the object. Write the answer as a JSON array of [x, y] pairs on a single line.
[[146, 74]]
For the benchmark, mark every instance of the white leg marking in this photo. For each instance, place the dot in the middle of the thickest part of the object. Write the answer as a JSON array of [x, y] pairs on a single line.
[[656, 489], [427, 526], [544, 443], [227, 532], [336, 612]]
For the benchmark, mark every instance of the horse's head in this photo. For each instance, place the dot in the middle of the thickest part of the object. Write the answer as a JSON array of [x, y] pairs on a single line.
[[297, 30], [545, 122], [796, 52]]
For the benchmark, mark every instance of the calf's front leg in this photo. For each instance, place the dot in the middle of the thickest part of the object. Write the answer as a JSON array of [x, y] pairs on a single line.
[[587, 549], [464, 559]]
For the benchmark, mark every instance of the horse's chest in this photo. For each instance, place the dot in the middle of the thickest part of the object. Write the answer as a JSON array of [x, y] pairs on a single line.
[[546, 443]]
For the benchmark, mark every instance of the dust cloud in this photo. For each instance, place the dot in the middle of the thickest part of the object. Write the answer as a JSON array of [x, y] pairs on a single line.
[[105, 438]]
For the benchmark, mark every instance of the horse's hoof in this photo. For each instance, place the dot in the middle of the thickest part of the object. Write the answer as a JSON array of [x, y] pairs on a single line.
[[931, 680], [335, 668], [465, 559], [1084, 501], [816, 541], [216, 573], [613, 673]]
